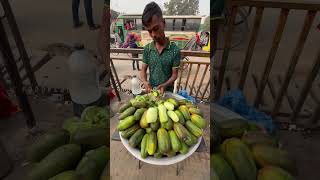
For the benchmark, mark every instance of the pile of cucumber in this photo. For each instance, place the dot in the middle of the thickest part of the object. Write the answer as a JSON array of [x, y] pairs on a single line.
[[159, 126], [76, 151]]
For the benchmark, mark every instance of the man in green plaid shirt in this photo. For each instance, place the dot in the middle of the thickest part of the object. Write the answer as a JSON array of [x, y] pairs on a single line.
[[161, 56]]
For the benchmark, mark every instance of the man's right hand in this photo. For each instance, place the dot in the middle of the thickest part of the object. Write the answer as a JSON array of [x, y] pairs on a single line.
[[147, 86]]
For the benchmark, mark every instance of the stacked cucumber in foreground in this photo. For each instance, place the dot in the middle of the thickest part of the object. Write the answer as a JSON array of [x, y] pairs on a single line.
[[160, 127], [243, 151], [77, 151]]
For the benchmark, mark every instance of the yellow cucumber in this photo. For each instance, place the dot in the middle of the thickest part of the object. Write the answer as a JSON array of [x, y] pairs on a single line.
[[163, 117], [152, 143], [169, 105], [143, 121], [152, 114], [144, 142]]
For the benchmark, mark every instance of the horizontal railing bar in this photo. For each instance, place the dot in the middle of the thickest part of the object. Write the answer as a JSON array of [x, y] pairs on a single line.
[[140, 51]]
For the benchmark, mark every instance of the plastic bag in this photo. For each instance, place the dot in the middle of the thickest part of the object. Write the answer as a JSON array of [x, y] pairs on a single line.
[[235, 101]]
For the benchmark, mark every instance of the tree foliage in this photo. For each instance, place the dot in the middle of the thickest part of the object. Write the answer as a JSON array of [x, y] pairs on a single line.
[[181, 7]]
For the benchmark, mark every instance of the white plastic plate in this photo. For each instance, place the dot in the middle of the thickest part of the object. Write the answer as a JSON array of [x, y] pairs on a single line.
[[164, 160]]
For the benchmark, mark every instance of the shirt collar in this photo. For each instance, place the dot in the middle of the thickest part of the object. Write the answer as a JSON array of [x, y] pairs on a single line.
[[153, 46]]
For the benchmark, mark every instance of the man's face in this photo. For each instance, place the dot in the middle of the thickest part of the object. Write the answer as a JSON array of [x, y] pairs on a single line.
[[156, 29]]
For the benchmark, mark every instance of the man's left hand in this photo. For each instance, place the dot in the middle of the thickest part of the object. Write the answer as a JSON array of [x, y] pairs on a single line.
[[161, 88]]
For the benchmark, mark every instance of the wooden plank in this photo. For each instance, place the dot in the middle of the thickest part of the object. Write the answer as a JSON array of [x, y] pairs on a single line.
[[309, 103], [201, 81], [140, 51], [181, 72], [115, 87], [291, 92], [288, 4], [194, 79], [294, 59], [188, 76], [115, 73], [205, 90], [275, 44], [307, 86], [274, 85], [255, 31], [225, 55], [44, 60], [256, 84], [125, 58], [268, 97]]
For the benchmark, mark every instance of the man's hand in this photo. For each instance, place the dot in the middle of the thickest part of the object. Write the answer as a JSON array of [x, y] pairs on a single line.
[[161, 88], [147, 86]]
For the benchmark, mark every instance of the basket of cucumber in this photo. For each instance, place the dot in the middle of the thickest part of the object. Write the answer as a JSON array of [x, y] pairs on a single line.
[[161, 130]]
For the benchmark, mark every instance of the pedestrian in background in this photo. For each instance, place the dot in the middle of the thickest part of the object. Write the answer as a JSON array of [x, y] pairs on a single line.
[[75, 14], [131, 42]]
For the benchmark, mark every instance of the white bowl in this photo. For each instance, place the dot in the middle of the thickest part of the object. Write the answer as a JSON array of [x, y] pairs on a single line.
[[161, 161], [164, 160]]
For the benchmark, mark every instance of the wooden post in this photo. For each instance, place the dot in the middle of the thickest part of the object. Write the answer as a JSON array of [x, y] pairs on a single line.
[[275, 44], [15, 76]]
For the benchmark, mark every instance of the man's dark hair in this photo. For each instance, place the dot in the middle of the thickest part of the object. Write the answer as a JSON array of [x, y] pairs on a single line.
[[150, 10]]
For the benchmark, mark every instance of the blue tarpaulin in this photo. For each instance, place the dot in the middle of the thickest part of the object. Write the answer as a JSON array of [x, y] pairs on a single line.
[[236, 102]]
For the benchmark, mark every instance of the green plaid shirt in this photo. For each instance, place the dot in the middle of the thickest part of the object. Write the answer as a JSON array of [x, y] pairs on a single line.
[[161, 65]]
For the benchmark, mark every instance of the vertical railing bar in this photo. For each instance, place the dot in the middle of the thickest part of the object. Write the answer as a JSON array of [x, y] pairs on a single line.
[[305, 89], [115, 73], [289, 97], [225, 54], [202, 78], [181, 72], [206, 88], [255, 31], [194, 79], [294, 60], [275, 44], [188, 76]]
